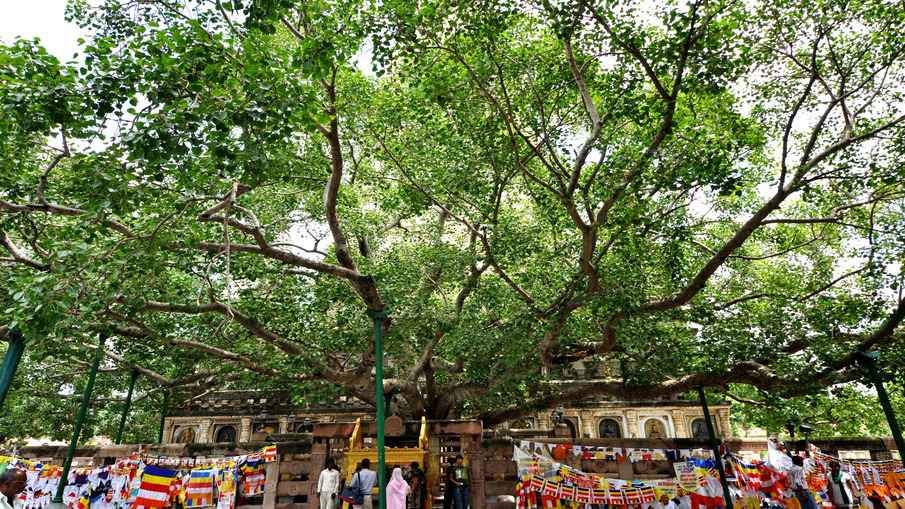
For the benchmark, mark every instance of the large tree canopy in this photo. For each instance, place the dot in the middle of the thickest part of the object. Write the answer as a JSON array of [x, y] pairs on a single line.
[[708, 193]]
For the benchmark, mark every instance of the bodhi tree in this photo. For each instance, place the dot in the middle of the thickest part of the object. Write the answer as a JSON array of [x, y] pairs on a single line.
[[708, 193]]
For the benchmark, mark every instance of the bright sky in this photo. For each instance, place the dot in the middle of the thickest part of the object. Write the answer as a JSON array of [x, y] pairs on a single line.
[[43, 19]]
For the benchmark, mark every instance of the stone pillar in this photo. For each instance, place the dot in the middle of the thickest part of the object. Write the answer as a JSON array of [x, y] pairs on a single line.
[[168, 427], [726, 427], [320, 449], [245, 429], [284, 424], [271, 480], [678, 420], [626, 472], [204, 431], [475, 454], [587, 424], [631, 418]]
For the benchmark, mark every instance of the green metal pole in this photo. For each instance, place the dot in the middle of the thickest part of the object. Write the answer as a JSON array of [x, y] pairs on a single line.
[[11, 362], [86, 398], [163, 415], [378, 317], [122, 420], [871, 359], [716, 448]]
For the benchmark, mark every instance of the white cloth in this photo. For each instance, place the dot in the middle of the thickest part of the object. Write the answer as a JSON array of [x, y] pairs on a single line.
[[6, 504]]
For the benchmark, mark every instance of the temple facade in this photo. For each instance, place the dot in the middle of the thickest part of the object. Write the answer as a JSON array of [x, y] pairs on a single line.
[[242, 416]]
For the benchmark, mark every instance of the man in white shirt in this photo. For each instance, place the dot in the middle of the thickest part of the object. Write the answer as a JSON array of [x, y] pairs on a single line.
[[365, 481], [800, 484], [667, 503], [328, 485], [12, 482]]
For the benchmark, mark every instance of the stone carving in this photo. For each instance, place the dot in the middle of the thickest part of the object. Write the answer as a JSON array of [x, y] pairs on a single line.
[[393, 426]]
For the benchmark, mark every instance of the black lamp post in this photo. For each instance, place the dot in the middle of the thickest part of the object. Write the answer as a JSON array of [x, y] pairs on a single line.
[[806, 431], [556, 416], [790, 427]]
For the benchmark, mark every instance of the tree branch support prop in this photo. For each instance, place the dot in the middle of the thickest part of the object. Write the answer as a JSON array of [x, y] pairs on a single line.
[[716, 448], [378, 317], [870, 359], [11, 362], [57, 502], [122, 420]]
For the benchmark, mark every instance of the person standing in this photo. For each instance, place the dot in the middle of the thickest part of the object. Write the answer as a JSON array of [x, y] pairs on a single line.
[[328, 485], [365, 481], [841, 486], [397, 490], [461, 478], [800, 484], [12, 482], [419, 487], [449, 489]]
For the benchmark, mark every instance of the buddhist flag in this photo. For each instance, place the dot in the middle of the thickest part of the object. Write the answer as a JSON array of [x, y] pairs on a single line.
[[254, 477], [598, 496], [226, 483], [632, 496], [154, 491], [270, 453], [615, 497], [199, 489], [567, 491], [526, 495], [85, 499], [548, 502]]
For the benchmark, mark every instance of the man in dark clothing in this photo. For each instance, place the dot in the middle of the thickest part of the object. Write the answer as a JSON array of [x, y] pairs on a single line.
[[449, 491]]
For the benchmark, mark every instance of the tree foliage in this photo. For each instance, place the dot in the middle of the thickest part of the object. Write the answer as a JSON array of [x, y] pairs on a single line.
[[707, 193]]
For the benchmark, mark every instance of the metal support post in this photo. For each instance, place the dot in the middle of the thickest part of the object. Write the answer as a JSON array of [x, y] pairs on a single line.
[[378, 317], [57, 501], [11, 362], [871, 360], [716, 448], [163, 415], [122, 420]]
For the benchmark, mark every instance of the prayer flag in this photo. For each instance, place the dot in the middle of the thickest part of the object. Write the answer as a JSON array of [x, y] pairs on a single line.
[[270, 453], [199, 490], [254, 477], [226, 482], [154, 490], [548, 502]]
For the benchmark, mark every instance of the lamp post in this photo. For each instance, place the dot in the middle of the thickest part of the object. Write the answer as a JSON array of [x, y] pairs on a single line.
[[57, 502], [122, 420], [716, 448], [806, 431], [290, 423], [871, 360], [377, 317]]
